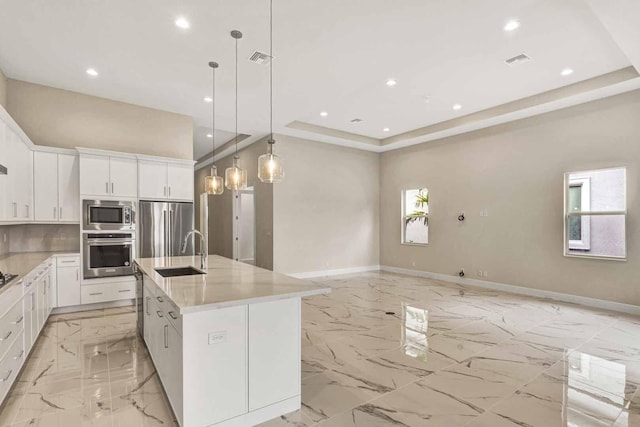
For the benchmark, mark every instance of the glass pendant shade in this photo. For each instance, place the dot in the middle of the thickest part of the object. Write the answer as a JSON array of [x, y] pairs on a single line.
[[214, 184], [270, 168], [235, 177]]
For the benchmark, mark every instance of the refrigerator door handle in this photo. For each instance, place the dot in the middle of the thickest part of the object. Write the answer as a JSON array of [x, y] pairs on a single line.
[[170, 232], [166, 236]]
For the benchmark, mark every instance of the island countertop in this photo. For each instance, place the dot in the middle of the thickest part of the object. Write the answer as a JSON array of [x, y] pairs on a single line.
[[227, 283]]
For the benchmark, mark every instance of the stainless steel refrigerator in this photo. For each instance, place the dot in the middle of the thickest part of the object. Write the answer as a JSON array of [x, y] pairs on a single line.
[[163, 227]]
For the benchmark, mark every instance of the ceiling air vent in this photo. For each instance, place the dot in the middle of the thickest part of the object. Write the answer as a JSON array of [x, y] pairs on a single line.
[[519, 59], [356, 120], [259, 58]]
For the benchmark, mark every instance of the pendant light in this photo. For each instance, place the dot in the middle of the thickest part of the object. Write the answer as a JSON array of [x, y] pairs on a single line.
[[213, 184], [270, 166], [235, 177]]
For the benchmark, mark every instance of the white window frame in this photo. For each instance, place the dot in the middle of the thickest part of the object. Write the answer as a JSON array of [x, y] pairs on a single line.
[[585, 222], [404, 216], [569, 177]]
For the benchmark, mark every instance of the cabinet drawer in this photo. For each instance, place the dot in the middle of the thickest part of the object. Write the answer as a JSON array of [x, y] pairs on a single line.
[[68, 261], [11, 295], [91, 294], [11, 325], [123, 290], [173, 315], [10, 365]]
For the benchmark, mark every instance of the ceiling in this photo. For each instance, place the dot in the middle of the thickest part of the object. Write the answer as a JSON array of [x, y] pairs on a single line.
[[332, 56]]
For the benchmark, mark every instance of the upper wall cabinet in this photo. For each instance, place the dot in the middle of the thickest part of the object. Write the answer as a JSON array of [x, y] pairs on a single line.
[[16, 202], [165, 180], [102, 175], [56, 187]]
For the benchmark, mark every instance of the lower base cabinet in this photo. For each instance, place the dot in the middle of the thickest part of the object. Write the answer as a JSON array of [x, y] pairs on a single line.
[[232, 366]]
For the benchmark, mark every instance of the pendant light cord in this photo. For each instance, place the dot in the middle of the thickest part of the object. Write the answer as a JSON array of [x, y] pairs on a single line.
[[271, 75], [213, 118], [236, 98]]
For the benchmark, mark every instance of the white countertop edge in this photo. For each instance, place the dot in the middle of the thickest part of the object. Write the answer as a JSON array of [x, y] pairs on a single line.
[[247, 301]]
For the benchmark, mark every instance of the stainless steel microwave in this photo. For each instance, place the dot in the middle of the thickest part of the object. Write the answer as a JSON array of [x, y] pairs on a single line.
[[110, 215]]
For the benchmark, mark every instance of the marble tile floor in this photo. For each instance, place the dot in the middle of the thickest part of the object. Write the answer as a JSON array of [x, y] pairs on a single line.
[[381, 349]]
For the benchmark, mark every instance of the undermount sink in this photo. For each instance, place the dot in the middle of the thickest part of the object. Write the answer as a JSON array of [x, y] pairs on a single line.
[[178, 271]]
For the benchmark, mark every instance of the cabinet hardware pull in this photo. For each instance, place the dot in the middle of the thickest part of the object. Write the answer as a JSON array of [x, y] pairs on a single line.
[[7, 377], [60, 209], [15, 209], [159, 299], [165, 190], [77, 274], [17, 322], [169, 191], [67, 262], [33, 301], [166, 336], [112, 188], [6, 337], [148, 298], [19, 356], [54, 213], [173, 315], [159, 313], [26, 211], [125, 290], [96, 293]]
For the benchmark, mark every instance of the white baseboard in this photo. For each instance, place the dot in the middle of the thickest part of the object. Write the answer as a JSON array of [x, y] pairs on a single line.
[[337, 272], [539, 293]]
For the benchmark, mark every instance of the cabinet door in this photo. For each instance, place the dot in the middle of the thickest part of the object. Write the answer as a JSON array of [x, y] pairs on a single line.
[[41, 301], [153, 180], [4, 160], [68, 188], [124, 177], [94, 175], [274, 352], [180, 181], [68, 284], [28, 302], [45, 186], [20, 179], [174, 371]]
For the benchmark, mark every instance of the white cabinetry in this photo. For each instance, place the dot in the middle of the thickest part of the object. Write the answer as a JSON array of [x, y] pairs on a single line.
[[68, 188], [102, 175], [165, 180], [19, 179], [56, 188], [68, 281]]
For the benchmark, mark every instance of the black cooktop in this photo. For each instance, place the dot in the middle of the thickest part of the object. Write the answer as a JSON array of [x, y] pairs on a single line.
[[6, 278]]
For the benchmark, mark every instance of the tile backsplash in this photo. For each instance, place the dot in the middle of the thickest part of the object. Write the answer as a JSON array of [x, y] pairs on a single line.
[[40, 237]]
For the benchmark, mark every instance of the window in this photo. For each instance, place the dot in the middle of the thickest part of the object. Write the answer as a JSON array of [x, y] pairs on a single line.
[[415, 220], [595, 213]]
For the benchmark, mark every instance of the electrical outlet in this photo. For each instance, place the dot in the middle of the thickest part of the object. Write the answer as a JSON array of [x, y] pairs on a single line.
[[485, 273], [413, 263], [217, 337]]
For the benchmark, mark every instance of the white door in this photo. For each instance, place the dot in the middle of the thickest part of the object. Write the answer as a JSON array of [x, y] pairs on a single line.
[[45, 185], [244, 226], [68, 188], [153, 180], [180, 181], [94, 175], [68, 286], [124, 177]]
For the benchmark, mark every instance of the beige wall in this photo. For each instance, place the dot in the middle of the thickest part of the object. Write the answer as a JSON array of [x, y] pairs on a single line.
[[326, 210], [516, 172], [61, 118], [3, 89], [220, 208]]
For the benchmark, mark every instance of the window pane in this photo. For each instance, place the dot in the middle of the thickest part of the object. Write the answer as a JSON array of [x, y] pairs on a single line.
[[416, 230], [606, 190], [575, 198], [416, 202], [606, 236], [575, 228]]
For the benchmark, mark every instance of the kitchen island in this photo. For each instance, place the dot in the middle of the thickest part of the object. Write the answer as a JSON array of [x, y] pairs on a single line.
[[226, 344]]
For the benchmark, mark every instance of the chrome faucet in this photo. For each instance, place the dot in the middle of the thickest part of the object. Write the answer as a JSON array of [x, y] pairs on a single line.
[[203, 246]]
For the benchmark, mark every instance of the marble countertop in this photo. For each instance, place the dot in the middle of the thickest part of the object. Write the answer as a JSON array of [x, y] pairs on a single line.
[[22, 263], [227, 283]]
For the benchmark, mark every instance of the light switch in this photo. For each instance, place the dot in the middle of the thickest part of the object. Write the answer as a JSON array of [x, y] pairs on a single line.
[[217, 337]]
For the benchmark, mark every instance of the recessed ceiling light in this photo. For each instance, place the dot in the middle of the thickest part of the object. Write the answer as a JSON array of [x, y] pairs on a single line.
[[209, 135], [92, 72], [391, 82], [512, 25], [324, 113], [207, 99], [566, 72], [386, 130], [181, 22], [457, 107]]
